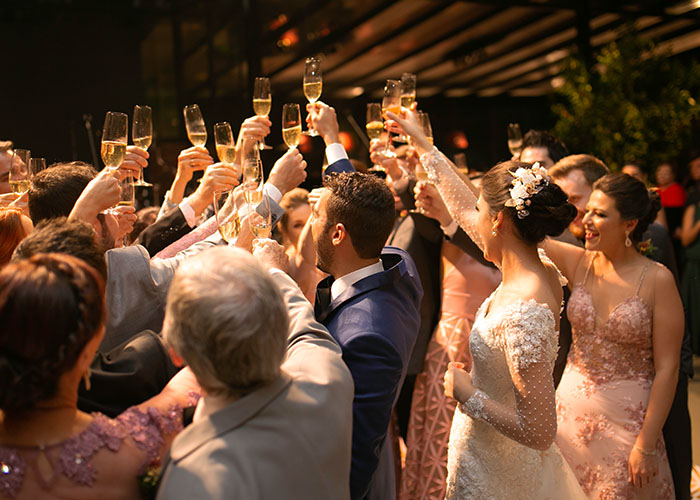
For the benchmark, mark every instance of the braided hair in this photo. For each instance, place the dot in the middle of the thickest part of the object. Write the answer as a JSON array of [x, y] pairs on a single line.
[[51, 305]]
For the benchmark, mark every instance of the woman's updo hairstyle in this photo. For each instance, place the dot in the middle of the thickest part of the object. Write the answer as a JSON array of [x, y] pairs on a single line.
[[632, 199], [549, 210], [51, 305]]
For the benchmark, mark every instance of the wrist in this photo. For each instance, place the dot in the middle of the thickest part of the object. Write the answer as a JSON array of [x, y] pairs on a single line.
[[199, 201], [331, 138]]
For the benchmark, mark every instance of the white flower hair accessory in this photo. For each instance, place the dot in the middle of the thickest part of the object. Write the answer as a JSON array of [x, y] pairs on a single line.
[[526, 182]]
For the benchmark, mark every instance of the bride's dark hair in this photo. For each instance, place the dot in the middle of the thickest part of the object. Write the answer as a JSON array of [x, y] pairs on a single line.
[[549, 211]]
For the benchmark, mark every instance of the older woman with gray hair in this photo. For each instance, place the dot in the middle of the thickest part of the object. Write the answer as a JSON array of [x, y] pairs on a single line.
[[274, 419]]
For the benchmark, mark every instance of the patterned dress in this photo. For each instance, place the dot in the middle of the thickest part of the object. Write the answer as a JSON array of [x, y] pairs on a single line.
[[466, 283], [102, 461], [603, 395]]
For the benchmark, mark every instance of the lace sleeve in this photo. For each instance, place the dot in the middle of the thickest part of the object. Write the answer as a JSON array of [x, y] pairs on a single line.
[[459, 199], [530, 344]]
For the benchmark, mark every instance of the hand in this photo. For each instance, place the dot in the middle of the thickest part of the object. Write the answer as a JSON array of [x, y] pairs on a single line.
[[101, 193], [316, 195], [322, 117], [255, 127], [641, 469], [458, 383], [245, 237], [21, 202], [126, 216], [289, 171], [192, 160], [271, 254], [218, 178], [134, 161], [378, 155], [408, 124], [429, 202]]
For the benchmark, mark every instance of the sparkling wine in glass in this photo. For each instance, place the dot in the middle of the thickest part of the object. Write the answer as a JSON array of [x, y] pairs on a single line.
[[374, 124], [226, 213], [142, 135], [252, 168], [262, 101], [260, 218], [194, 123], [424, 120], [391, 102], [291, 125], [408, 96], [515, 139], [313, 85], [20, 171], [114, 138], [225, 145]]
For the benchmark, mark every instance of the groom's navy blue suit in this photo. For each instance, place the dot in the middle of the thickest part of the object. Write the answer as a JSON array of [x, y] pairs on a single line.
[[376, 322]]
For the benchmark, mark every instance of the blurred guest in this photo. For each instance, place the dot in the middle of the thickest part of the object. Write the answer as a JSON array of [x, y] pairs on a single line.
[[14, 226], [296, 212], [48, 448], [543, 147], [144, 218], [635, 170], [370, 304], [694, 181], [5, 162], [672, 196], [274, 420], [690, 282]]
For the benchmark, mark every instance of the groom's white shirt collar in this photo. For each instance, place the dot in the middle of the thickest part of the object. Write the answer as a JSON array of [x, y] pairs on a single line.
[[344, 282]]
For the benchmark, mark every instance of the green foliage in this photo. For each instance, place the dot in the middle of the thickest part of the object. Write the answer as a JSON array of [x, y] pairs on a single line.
[[636, 103]]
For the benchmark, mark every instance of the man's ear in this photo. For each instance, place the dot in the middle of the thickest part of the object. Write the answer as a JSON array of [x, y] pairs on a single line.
[[338, 234]]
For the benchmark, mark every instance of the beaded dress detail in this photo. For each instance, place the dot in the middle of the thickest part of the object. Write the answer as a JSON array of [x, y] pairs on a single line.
[[603, 395], [501, 441], [74, 463]]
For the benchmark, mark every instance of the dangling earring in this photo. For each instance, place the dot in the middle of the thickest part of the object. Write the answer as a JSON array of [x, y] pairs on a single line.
[[494, 231], [86, 378], [628, 241]]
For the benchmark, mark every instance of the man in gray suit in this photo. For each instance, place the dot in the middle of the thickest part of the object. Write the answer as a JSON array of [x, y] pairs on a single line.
[[275, 418]]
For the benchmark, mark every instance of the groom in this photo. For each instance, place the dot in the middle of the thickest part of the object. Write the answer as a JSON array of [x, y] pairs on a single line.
[[370, 304]]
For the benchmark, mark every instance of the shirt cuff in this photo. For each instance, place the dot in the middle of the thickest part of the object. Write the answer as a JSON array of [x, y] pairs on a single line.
[[188, 212], [400, 185], [451, 229], [335, 152], [272, 192]]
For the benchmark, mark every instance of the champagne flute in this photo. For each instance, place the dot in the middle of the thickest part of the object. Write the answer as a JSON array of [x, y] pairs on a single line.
[[260, 218], [225, 145], [114, 139], [194, 123], [20, 171], [424, 121], [408, 96], [252, 168], [313, 85], [515, 139], [374, 125], [391, 102], [37, 165], [142, 135], [262, 101], [291, 125], [226, 213]]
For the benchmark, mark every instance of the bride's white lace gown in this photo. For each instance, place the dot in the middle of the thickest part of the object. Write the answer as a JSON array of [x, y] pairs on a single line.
[[501, 442]]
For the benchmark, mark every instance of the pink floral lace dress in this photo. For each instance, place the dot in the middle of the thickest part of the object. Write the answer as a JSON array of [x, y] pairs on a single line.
[[603, 396], [102, 461]]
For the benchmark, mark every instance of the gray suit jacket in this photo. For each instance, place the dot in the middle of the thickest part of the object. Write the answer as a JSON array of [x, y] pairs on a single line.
[[290, 439], [136, 290]]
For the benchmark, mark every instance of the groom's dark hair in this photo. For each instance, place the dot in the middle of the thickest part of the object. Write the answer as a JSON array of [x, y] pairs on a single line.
[[365, 206]]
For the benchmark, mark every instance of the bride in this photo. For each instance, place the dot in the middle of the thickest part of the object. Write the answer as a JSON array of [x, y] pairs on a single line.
[[502, 437]]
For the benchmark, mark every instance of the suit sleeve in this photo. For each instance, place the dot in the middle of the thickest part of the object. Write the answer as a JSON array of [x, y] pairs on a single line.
[[166, 230], [339, 166], [464, 243], [375, 365]]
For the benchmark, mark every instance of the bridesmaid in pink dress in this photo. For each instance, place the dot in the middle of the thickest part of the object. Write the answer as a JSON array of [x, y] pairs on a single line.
[[466, 283], [627, 325]]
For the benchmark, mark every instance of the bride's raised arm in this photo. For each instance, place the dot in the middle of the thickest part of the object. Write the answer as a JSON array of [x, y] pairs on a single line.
[[457, 191]]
